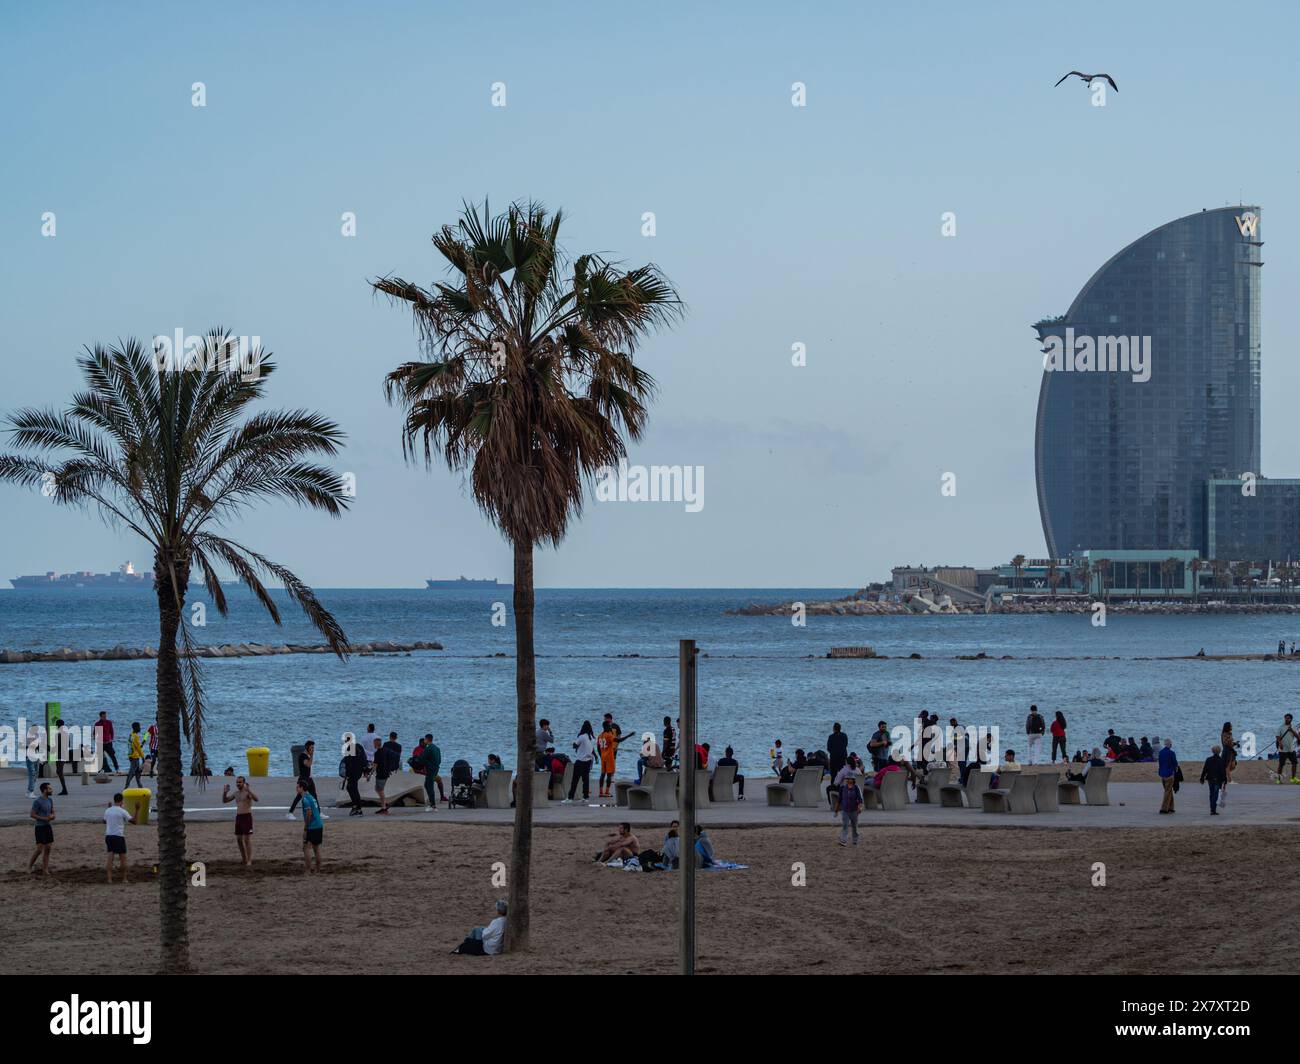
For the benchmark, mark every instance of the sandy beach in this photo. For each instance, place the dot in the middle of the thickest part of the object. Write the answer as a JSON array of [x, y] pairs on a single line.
[[396, 896]]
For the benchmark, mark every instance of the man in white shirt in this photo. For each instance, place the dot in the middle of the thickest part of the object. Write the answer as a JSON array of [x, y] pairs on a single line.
[[115, 820]]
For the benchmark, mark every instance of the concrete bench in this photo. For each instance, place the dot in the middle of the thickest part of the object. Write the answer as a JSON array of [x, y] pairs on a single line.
[[929, 791], [661, 794], [1046, 792], [1018, 798], [621, 787], [891, 795], [722, 788]]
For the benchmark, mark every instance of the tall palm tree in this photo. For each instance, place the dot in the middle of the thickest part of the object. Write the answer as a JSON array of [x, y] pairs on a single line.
[[1084, 572], [1167, 569], [1219, 570], [1102, 565], [530, 386], [1053, 577], [160, 449], [1018, 564], [1196, 566]]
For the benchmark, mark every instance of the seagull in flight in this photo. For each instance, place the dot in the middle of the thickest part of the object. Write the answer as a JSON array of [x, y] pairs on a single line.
[[1089, 78]]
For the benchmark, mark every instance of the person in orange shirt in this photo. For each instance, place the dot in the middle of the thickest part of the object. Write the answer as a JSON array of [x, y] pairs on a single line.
[[607, 744]]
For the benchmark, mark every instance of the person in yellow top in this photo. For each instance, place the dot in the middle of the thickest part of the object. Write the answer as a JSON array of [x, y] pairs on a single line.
[[607, 744], [135, 754]]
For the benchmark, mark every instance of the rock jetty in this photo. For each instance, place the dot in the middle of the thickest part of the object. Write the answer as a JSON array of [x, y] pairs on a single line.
[[920, 606], [227, 650]]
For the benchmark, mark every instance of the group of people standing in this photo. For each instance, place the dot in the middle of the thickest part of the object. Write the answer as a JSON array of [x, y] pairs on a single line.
[[55, 745]]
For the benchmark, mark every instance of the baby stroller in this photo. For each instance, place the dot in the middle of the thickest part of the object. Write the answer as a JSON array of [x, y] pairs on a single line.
[[462, 786]]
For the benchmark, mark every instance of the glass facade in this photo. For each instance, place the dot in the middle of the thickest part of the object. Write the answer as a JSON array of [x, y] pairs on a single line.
[[1261, 527], [1122, 463]]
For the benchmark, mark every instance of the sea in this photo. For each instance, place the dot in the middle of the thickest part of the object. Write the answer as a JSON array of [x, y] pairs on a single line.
[[616, 650]]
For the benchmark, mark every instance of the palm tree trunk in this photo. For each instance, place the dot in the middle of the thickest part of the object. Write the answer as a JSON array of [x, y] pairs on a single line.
[[172, 873], [521, 848]]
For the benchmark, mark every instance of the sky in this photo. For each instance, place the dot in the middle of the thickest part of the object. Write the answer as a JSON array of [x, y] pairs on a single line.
[[818, 225]]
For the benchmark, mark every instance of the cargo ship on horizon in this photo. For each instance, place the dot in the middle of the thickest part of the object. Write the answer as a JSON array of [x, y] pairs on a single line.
[[463, 584], [126, 576]]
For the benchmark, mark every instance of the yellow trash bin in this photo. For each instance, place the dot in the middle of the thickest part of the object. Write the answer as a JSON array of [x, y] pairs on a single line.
[[136, 802], [259, 760]]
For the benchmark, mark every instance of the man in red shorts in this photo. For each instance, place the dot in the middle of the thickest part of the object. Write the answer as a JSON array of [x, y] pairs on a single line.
[[243, 799]]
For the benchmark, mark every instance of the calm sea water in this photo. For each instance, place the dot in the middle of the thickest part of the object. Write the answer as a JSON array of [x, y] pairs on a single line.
[[763, 678]]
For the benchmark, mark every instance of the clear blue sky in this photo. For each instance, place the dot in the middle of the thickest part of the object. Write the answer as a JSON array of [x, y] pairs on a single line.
[[818, 225]]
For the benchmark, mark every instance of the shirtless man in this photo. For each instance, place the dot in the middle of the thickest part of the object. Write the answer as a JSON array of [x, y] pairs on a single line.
[[624, 845], [243, 799]]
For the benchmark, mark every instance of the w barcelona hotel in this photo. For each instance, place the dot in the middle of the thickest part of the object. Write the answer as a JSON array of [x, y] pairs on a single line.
[[1147, 441]]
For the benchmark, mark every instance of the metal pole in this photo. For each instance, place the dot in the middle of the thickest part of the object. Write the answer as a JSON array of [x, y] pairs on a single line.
[[686, 791]]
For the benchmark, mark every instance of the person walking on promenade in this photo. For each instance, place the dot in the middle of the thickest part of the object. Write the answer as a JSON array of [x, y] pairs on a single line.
[[1229, 743], [243, 799], [850, 806], [584, 752], [431, 762], [1168, 775], [355, 765], [104, 727], [33, 751], [1035, 729], [134, 755], [152, 756], [1286, 750], [382, 763], [837, 748], [1213, 774], [306, 758], [43, 813], [1058, 737]]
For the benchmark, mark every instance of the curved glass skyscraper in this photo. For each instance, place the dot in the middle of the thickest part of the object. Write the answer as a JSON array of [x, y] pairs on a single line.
[[1151, 388]]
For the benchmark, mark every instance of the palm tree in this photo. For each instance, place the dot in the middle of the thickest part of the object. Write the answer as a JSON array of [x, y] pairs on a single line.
[[1167, 569], [1196, 566], [1018, 564], [1242, 572], [529, 385], [160, 450], [1053, 577], [1219, 569], [1083, 571], [1103, 571]]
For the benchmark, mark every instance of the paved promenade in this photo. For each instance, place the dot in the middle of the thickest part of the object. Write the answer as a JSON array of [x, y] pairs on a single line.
[[1131, 805]]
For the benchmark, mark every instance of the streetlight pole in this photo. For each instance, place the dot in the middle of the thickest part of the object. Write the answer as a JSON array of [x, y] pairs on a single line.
[[686, 791]]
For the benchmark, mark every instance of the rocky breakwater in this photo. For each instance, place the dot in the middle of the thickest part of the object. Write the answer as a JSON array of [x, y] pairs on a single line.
[[855, 607], [227, 650]]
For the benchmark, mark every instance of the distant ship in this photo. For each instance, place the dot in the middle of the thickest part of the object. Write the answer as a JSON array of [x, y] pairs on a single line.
[[126, 576], [463, 584]]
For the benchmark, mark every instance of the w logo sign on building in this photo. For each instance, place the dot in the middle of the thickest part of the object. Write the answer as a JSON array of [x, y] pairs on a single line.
[[1247, 223]]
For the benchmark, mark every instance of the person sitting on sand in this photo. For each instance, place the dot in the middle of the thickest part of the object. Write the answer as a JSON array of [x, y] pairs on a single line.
[[704, 856], [672, 845], [1145, 753], [486, 941], [621, 846]]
